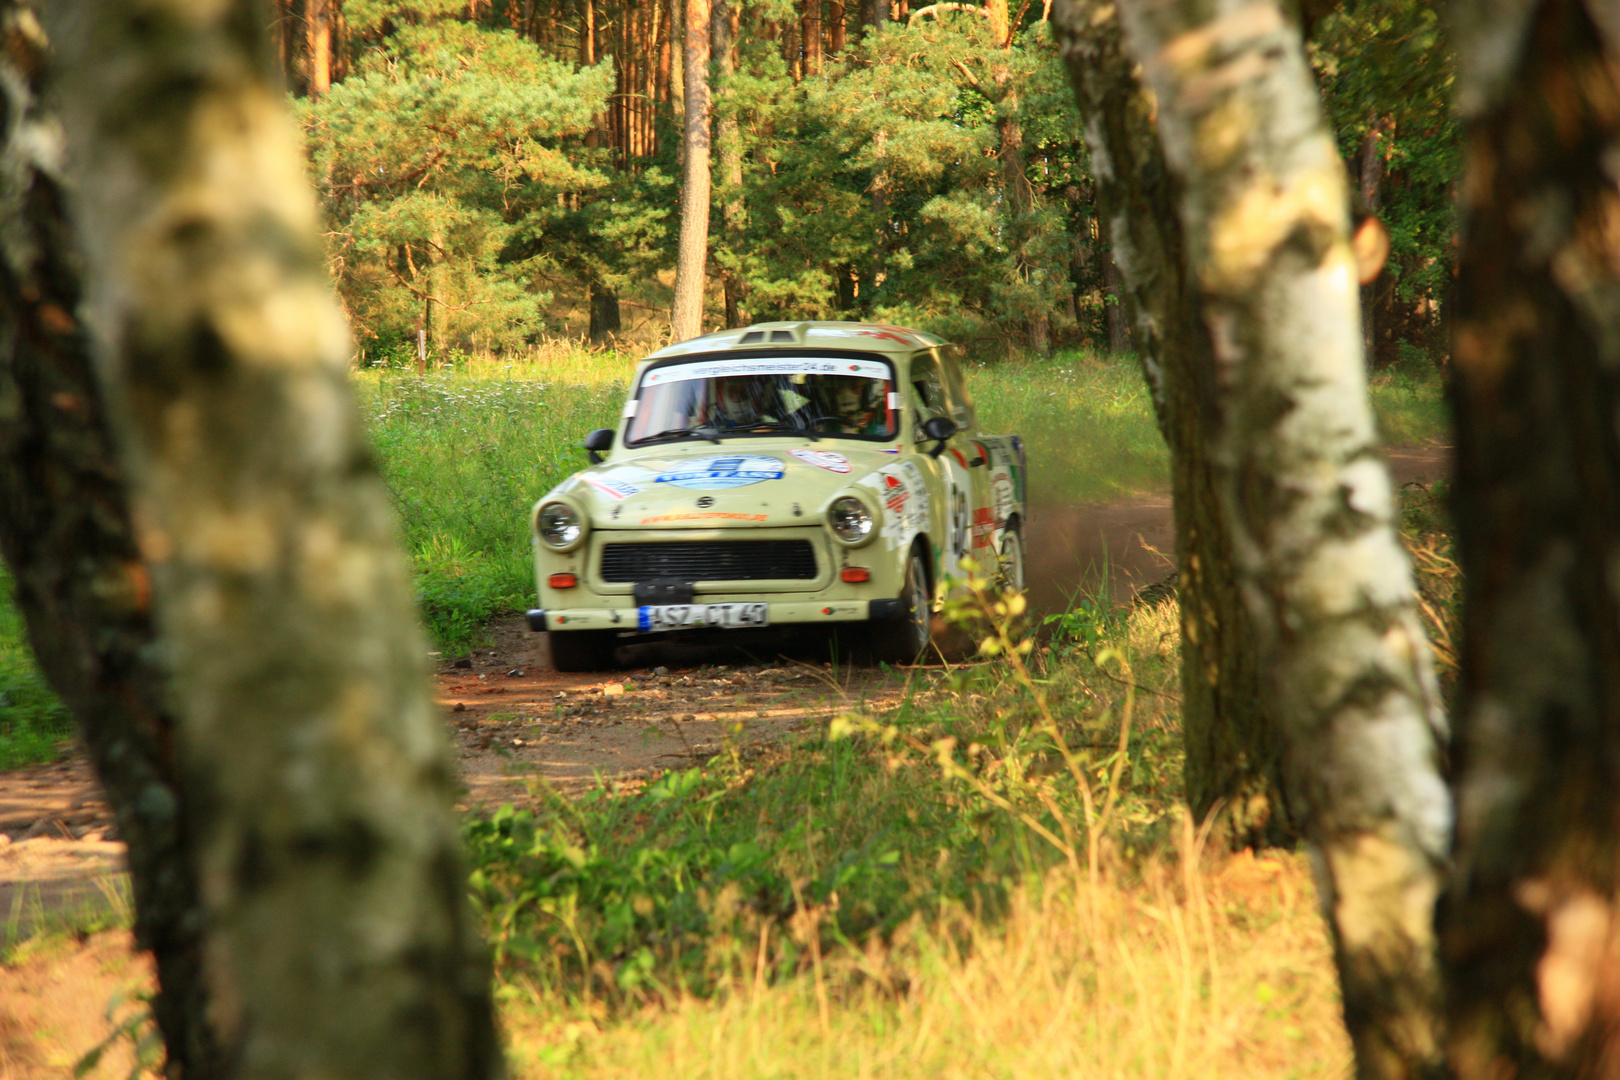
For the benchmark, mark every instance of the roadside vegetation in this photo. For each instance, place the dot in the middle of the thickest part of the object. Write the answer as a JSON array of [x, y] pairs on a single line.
[[994, 878]]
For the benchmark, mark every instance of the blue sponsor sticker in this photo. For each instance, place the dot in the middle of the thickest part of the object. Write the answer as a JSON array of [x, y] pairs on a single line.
[[715, 473]]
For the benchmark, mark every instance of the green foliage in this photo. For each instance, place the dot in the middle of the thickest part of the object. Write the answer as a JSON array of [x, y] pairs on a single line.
[[33, 721], [440, 162], [466, 457], [1388, 63]]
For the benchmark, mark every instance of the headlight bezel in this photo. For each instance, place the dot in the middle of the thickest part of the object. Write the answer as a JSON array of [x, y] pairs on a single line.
[[848, 503], [580, 524]]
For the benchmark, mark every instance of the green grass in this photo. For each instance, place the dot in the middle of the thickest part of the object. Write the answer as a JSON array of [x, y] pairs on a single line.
[[466, 454], [1087, 423], [1410, 402], [33, 721]]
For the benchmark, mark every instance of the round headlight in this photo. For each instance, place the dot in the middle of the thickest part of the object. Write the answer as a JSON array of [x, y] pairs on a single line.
[[851, 521], [558, 524]]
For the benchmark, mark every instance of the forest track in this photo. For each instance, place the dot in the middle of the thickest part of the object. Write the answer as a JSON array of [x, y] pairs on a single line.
[[516, 723]]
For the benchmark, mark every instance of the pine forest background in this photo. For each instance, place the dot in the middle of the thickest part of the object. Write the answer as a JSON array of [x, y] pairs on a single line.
[[497, 173]]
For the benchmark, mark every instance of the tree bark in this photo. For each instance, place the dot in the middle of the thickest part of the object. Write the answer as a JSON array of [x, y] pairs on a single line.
[[314, 764], [810, 30], [686, 319], [1531, 922], [1264, 204], [318, 35], [605, 316], [1369, 189], [724, 22], [835, 26], [1234, 752], [66, 532]]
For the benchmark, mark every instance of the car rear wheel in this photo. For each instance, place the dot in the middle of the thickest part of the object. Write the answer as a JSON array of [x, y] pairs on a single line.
[[902, 640], [582, 650]]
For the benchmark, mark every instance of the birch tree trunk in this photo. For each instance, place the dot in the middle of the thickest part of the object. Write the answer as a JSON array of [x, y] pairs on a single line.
[[1264, 201], [66, 532], [692, 254], [314, 765], [1531, 922], [1234, 753]]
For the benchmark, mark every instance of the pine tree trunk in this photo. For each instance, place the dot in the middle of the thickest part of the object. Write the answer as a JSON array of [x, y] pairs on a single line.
[[835, 26], [1531, 923], [728, 145], [691, 258], [81, 582], [313, 761], [605, 316], [1233, 748], [1265, 207], [318, 34], [810, 30], [1370, 189]]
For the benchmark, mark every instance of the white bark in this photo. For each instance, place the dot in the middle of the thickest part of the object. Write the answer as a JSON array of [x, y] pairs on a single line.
[[1264, 201], [316, 768]]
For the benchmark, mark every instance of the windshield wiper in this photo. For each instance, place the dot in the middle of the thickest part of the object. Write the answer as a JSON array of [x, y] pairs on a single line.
[[702, 431]]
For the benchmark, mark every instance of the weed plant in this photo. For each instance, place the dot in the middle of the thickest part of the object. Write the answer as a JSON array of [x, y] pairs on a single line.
[[33, 721]]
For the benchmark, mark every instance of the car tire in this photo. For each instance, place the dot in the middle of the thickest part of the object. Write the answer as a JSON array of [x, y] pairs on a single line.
[[902, 640], [1010, 572], [582, 650]]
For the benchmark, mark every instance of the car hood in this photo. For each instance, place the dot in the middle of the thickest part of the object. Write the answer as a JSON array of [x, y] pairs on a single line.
[[708, 486]]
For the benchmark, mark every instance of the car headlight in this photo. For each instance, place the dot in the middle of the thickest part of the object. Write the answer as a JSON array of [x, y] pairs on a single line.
[[559, 525], [850, 520]]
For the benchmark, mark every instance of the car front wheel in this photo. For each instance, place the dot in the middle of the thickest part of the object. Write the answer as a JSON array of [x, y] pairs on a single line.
[[902, 640]]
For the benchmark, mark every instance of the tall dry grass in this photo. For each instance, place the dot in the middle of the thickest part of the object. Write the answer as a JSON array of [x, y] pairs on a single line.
[[1171, 971]]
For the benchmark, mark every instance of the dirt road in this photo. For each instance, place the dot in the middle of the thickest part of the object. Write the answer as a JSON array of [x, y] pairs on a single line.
[[515, 721]]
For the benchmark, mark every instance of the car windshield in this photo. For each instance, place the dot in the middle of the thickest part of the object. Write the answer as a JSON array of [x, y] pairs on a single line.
[[813, 396]]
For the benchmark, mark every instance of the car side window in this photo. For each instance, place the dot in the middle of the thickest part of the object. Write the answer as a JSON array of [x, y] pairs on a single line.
[[927, 392], [961, 400]]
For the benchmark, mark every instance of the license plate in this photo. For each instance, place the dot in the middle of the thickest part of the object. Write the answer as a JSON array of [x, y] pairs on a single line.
[[676, 616]]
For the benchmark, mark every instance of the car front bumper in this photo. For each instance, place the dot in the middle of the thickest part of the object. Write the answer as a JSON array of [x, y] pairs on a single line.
[[779, 613]]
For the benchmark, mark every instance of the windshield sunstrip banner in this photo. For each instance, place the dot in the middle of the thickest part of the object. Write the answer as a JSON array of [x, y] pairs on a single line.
[[720, 369]]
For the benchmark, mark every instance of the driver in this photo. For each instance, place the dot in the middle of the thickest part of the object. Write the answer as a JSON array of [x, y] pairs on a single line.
[[856, 406], [740, 401]]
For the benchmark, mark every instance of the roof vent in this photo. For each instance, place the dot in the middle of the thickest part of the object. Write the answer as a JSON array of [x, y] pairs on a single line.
[[751, 337], [781, 335]]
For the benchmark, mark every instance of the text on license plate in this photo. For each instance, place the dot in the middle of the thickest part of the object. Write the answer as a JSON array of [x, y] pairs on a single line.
[[675, 616]]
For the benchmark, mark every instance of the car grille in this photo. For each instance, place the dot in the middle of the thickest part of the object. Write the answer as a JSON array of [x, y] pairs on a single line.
[[710, 560]]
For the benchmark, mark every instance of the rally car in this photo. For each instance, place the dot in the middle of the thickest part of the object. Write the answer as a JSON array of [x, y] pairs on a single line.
[[783, 475]]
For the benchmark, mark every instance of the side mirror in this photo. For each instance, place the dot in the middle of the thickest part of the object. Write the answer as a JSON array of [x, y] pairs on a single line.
[[940, 428], [598, 443]]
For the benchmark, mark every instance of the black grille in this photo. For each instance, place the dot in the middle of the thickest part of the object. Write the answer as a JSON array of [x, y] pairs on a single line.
[[710, 560]]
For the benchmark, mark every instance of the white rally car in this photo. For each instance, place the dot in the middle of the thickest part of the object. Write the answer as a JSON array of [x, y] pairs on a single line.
[[785, 475]]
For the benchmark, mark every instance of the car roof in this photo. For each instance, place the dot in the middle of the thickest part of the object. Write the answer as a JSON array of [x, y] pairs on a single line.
[[858, 336]]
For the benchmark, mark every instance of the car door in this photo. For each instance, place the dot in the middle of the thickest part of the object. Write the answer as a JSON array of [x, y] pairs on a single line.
[[985, 523]]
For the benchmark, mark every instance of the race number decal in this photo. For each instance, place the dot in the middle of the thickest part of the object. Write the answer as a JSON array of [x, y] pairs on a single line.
[[823, 459]]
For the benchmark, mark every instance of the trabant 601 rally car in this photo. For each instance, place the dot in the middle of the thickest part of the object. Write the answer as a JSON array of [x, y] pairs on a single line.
[[779, 475]]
